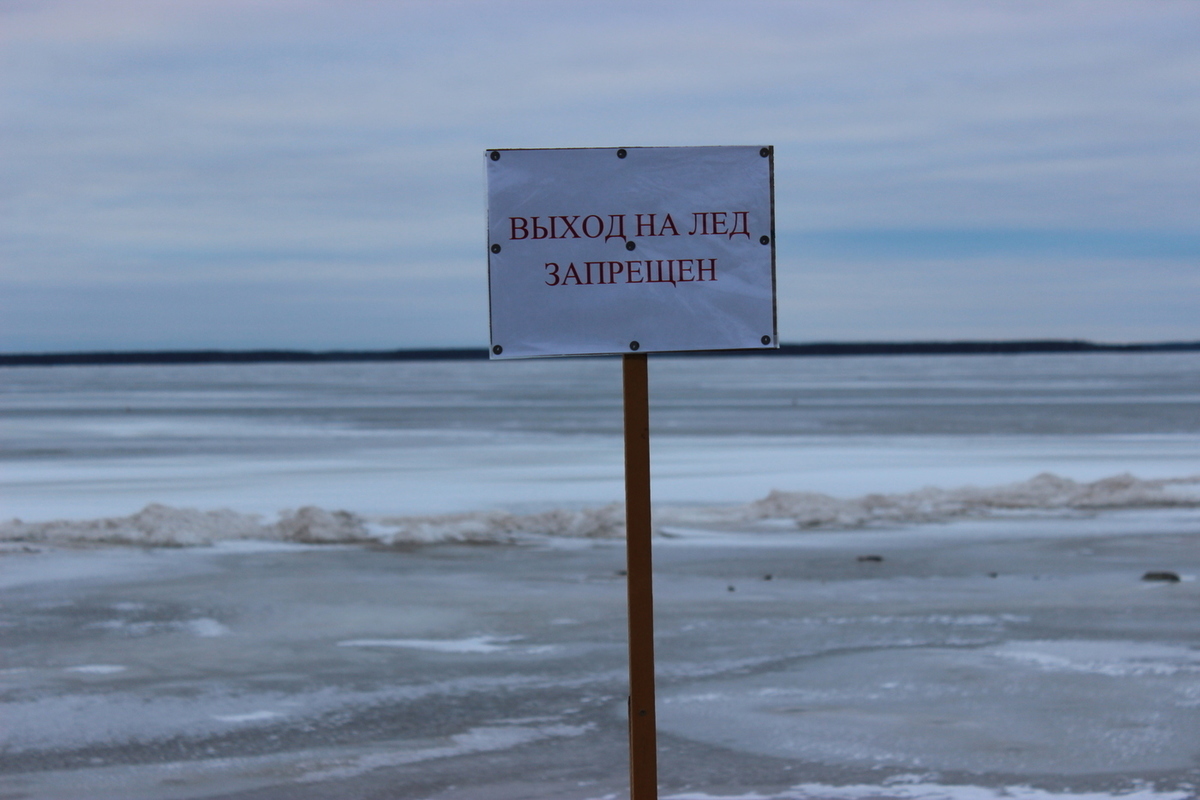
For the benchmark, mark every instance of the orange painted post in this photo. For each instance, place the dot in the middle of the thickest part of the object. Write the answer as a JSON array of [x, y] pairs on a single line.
[[643, 748]]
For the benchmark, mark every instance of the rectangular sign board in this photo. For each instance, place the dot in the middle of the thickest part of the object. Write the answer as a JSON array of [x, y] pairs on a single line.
[[616, 250]]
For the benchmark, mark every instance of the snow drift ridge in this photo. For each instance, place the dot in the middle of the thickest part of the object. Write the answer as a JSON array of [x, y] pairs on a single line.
[[163, 526]]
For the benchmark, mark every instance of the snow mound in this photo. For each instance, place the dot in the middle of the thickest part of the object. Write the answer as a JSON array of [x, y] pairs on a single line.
[[154, 526], [163, 526], [1045, 492], [503, 528]]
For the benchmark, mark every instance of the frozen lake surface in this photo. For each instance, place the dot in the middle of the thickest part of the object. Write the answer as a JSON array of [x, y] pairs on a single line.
[[873, 629]]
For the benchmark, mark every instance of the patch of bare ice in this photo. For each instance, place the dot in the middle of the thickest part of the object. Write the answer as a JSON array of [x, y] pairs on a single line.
[[474, 644], [97, 669], [904, 790]]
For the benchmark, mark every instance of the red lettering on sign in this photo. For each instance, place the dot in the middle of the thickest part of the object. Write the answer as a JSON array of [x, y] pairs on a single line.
[[619, 220]]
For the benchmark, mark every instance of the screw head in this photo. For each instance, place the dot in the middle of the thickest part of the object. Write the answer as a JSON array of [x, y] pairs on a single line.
[[630, 245], [634, 345], [764, 240], [621, 153], [495, 155], [495, 248], [497, 349], [766, 151], [766, 340]]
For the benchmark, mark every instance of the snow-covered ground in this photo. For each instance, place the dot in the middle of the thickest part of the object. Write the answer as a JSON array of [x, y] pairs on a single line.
[[875, 578], [972, 657]]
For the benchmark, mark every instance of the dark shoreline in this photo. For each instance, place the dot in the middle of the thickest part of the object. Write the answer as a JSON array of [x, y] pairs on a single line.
[[1013, 347]]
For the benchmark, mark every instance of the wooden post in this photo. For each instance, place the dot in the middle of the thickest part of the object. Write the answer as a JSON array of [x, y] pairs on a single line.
[[643, 750]]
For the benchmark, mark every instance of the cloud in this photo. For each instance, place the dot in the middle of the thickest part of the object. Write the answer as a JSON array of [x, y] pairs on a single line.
[[264, 146]]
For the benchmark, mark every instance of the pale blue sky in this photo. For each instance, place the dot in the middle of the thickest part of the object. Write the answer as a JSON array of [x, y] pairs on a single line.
[[299, 174]]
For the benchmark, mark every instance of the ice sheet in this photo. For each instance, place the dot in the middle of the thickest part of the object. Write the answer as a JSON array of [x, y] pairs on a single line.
[[1019, 654], [439, 438], [943, 598]]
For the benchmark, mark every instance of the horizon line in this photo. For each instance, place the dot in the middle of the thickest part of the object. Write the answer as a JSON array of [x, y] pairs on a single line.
[[805, 349]]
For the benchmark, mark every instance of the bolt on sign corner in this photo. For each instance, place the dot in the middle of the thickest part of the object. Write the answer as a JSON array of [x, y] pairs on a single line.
[[616, 250]]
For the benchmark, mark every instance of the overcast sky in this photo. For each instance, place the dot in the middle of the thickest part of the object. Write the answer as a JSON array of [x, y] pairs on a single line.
[[296, 174]]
